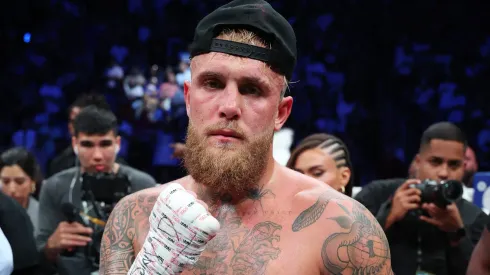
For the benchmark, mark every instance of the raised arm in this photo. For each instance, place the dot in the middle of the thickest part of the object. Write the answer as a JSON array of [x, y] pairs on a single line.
[[357, 246], [127, 223]]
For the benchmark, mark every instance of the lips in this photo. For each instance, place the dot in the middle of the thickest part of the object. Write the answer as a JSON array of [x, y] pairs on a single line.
[[99, 168], [226, 133]]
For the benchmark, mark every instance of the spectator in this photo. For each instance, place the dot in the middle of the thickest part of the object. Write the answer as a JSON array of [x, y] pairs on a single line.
[[184, 69], [470, 167], [169, 87], [96, 144], [439, 240], [134, 84], [20, 174], [326, 158], [67, 158]]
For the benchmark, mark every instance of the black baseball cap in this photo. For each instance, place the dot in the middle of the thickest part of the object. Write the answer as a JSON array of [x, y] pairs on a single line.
[[257, 16]]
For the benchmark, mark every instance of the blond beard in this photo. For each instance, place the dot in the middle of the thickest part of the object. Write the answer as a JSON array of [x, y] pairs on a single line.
[[226, 167]]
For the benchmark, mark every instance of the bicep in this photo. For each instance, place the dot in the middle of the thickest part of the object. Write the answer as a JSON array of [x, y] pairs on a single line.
[[359, 247]]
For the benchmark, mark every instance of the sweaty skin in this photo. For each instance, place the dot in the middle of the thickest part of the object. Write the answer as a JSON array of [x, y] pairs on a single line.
[[292, 225]]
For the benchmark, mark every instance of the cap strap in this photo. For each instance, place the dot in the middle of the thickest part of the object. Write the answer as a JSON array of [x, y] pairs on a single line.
[[240, 49]]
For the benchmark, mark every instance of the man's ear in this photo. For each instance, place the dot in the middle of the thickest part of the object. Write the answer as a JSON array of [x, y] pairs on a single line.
[[187, 86], [118, 144], [283, 112], [74, 145]]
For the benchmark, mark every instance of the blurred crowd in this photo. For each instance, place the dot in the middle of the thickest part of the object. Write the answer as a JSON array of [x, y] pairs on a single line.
[[363, 68]]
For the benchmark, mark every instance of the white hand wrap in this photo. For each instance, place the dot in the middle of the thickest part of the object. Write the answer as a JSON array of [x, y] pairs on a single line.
[[180, 228]]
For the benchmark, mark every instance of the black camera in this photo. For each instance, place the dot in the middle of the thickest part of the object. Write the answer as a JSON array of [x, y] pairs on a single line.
[[106, 188], [441, 193]]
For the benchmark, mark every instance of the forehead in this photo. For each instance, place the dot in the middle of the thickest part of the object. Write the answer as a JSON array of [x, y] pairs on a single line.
[[446, 149], [314, 157], [96, 138], [11, 171], [235, 67]]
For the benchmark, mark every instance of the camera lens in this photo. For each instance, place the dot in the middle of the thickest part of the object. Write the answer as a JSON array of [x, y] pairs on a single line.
[[452, 190]]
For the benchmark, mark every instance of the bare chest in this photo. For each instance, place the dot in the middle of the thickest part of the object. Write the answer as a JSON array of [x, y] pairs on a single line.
[[263, 245], [267, 247]]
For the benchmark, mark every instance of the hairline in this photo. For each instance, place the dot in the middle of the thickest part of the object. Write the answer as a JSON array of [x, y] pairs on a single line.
[[77, 134], [428, 143]]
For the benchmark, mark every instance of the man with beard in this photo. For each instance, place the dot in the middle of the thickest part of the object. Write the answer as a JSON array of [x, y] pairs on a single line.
[[470, 167], [272, 220]]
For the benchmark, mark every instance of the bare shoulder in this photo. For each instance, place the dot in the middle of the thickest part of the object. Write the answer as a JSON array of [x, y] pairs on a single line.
[[351, 239]]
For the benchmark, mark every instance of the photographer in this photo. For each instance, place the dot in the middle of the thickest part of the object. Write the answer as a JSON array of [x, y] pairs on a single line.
[[430, 232], [70, 239]]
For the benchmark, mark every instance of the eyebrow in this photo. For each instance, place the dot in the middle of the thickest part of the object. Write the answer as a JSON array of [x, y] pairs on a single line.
[[251, 79], [315, 167], [90, 142]]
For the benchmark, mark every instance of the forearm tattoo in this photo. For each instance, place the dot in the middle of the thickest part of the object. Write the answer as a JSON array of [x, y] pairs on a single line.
[[128, 220]]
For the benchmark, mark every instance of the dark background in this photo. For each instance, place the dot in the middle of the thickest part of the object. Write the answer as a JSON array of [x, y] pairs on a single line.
[[375, 73]]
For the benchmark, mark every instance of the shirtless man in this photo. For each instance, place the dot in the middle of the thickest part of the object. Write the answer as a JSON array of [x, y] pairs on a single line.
[[273, 220]]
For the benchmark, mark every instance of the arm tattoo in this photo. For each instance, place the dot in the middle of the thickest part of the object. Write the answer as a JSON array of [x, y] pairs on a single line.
[[128, 220], [363, 244]]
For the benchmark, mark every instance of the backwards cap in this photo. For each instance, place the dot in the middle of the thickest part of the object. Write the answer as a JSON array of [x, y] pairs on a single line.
[[257, 16]]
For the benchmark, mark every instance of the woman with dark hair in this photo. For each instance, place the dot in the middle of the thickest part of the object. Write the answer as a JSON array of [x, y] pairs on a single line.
[[19, 174], [326, 158]]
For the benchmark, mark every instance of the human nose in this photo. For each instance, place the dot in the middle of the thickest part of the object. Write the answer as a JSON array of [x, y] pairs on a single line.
[[443, 173], [10, 189], [230, 107], [97, 155]]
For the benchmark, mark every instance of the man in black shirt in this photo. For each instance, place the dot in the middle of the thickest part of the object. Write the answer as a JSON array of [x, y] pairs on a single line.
[[440, 241]]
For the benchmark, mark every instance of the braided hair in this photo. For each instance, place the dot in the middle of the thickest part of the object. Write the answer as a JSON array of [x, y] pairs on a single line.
[[332, 145]]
